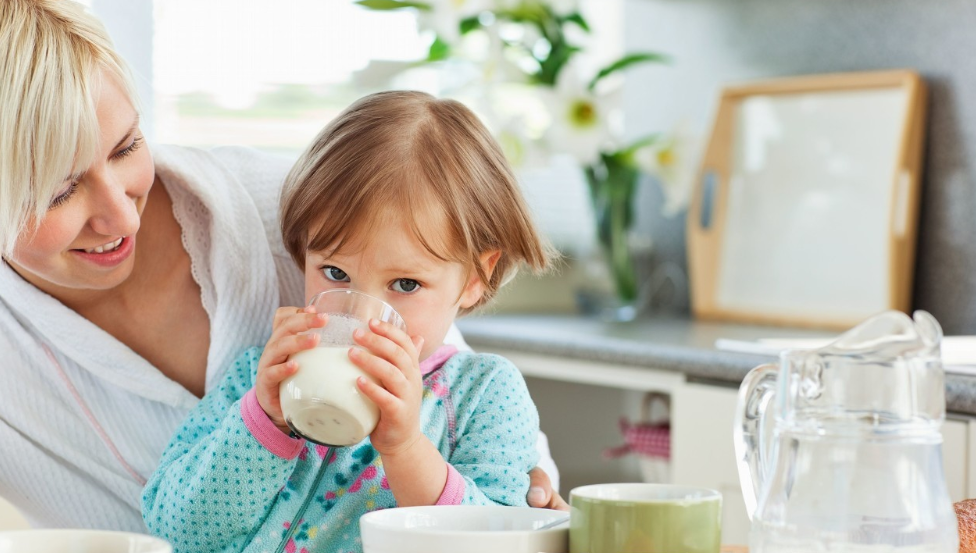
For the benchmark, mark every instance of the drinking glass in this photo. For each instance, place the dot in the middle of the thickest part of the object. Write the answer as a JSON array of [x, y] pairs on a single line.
[[321, 401]]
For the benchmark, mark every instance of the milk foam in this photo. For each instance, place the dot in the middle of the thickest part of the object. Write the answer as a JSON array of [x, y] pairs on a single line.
[[338, 330]]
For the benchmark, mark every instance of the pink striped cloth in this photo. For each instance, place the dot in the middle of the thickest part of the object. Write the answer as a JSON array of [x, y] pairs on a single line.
[[644, 439]]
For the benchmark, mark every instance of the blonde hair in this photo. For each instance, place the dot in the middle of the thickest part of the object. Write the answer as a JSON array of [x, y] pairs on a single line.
[[413, 154], [52, 54]]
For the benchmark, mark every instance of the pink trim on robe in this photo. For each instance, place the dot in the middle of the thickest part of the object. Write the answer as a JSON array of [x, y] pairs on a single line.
[[265, 431], [436, 359], [453, 492]]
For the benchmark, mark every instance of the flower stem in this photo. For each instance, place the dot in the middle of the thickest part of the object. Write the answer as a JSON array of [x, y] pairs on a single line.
[[612, 187], [621, 260]]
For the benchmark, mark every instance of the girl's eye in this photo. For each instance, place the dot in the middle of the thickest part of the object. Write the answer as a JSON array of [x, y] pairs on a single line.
[[64, 195], [335, 274], [405, 285]]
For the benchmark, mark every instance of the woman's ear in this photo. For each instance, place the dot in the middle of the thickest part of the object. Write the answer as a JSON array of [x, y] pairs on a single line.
[[474, 289]]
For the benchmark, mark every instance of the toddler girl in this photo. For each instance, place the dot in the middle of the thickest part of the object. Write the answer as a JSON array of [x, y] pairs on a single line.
[[406, 198]]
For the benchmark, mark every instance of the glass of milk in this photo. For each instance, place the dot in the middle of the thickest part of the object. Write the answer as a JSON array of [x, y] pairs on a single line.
[[321, 401]]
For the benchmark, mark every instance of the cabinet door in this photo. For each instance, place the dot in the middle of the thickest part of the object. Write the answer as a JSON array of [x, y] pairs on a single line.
[[955, 452], [702, 453], [10, 518]]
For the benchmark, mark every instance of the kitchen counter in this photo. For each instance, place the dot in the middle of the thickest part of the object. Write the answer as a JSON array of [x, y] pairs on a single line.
[[662, 344]]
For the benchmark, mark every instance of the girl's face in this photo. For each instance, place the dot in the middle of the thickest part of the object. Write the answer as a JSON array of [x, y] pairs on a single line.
[[394, 266], [86, 241]]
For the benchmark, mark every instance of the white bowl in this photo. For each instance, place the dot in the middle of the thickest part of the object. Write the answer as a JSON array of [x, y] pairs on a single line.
[[79, 541], [468, 529]]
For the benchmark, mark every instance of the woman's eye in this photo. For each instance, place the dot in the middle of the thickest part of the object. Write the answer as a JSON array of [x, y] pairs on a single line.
[[128, 150], [335, 274], [64, 195], [405, 285]]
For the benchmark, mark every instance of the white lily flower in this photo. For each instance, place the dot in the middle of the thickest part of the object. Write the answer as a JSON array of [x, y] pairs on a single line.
[[520, 149], [580, 119], [674, 161], [513, 145], [444, 16], [495, 61]]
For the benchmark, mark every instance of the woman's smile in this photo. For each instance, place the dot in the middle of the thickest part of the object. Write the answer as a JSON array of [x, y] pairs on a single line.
[[110, 254]]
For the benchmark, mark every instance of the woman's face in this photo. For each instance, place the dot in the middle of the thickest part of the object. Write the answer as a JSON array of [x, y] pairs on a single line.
[[86, 241]]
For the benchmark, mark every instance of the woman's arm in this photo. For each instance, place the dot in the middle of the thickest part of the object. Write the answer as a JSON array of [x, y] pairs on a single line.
[[222, 471]]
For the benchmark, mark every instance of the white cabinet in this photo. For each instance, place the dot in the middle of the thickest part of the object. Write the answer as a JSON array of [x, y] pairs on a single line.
[[955, 458], [702, 453], [10, 518]]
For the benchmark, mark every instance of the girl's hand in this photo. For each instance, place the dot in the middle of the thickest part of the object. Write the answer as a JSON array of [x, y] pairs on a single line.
[[392, 358], [274, 366]]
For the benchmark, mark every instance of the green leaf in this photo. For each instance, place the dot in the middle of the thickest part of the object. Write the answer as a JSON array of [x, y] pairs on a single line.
[[550, 67], [387, 5], [439, 50], [626, 155], [578, 19], [526, 12], [469, 24], [627, 61]]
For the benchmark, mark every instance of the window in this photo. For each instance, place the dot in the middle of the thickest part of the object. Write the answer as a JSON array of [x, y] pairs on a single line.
[[264, 73], [271, 74]]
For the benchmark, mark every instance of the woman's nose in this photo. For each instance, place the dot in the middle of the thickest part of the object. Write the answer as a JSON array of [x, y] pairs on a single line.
[[114, 211]]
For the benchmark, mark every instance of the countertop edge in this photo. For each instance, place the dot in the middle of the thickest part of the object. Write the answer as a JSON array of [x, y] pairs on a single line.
[[694, 363]]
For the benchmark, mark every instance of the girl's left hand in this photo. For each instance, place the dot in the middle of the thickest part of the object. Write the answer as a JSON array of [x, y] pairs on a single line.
[[392, 358]]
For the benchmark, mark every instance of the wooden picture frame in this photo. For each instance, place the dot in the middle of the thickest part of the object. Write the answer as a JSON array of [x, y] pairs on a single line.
[[805, 212]]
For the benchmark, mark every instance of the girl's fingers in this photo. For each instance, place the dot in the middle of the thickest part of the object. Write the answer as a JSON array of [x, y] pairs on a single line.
[[273, 376], [394, 334], [382, 370], [385, 348], [283, 313], [279, 350], [299, 322], [389, 376], [379, 395]]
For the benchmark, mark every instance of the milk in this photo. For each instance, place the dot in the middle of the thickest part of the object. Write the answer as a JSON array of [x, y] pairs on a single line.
[[321, 401]]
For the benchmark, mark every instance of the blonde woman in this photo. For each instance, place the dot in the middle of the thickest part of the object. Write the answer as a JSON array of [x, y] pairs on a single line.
[[130, 280]]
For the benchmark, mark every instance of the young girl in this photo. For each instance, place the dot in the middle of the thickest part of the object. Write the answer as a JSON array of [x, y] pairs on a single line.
[[409, 199]]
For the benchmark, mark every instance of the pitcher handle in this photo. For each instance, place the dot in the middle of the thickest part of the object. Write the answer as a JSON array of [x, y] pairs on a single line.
[[752, 431]]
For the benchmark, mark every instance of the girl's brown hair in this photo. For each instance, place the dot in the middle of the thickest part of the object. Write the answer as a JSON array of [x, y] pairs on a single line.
[[408, 153]]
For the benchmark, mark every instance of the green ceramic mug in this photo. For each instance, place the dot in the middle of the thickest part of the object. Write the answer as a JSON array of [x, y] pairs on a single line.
[[644, 518]]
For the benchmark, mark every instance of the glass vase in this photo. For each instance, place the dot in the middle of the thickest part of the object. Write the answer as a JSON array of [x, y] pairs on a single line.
[[611, 286]]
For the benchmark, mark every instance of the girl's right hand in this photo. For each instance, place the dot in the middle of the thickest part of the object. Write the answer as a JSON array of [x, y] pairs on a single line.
[[274, 366]]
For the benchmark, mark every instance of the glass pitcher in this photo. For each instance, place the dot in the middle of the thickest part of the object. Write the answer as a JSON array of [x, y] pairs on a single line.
[[839, 448]]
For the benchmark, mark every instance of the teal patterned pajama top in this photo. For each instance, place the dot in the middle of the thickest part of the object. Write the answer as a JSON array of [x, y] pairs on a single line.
[[231, 481]]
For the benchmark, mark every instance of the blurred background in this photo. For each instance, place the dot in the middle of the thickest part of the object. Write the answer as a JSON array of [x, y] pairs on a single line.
[[270, 75]]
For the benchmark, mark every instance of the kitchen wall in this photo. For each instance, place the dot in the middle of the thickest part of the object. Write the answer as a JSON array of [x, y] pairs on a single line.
[[714, 42]]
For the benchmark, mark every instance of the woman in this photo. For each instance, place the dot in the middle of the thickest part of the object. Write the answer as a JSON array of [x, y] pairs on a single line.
[[129, 280]]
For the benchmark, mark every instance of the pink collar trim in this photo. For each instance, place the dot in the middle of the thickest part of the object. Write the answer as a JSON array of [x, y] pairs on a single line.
[[437, 359]]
